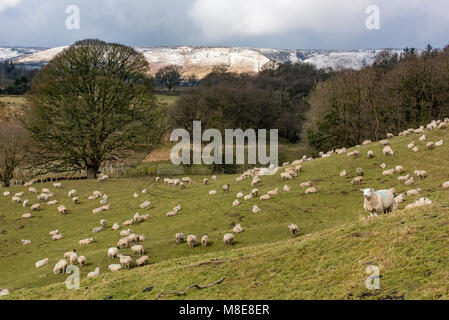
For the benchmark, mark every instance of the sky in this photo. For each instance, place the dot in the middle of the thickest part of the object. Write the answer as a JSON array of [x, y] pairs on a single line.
[[283, 24]]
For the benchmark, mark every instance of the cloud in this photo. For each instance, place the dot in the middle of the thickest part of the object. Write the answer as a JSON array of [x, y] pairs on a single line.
[[4, 4]]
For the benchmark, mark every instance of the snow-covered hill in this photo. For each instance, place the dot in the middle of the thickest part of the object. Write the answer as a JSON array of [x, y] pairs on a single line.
[[200, 60]]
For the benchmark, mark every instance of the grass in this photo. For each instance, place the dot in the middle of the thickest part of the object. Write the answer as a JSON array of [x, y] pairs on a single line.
[[326, 261]]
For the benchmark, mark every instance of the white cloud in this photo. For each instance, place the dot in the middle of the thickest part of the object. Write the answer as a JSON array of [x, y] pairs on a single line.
[[4, 4]]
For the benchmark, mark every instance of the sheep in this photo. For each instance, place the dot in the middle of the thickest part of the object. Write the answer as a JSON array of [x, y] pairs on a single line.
[[98, 194], [179, 237], [32, 190], [27, 216], [62, 209], [311, 190], [257, 182], [286, 188], [383, 165], [414, 192], [359, 172], [274, 192], [137, 249], [35, 207], [123, 243], [57, 237], [85, 242], [115, 267], [410, 181], [135, 195], [73, 258], [255, 192], [354, 154], [399, 199], [214, 178], [236, 203], [71, 193], [239, 195], [419, 203], [68, 254], [415, 149], [366, 142], [237, 229], [439, 143], [384, 143], [399, 169], [430, 145], [94, 273], [204, 241], [390, 135], [306, 184], [113, 252], [125, 260], [256, 209], [16, 200], [127, 223], [404, 178], [46, 190], [422, 138], [228, 239], [265, 197], [226, 188], [157, 179], [133, 238], [60, 267], [144, 191], [145, 205], [182, 185], [6, 193], [411, 145], [343, 173], [381, 201], [26, 242], [248, 197], [206, 181], [192, 240], [388, 172], [106, 207], [387, 151], [294, 229], [26, 203], [97, 210], [142, 261], [57, 185], [90, 198], [285, 176], [370, 154], [102, 178], [52, 202], [54, 232], [115, 226], [442, 126], [421, 174], [445, 185], [103, 223], [97, 229], [187, 180], [75, 200], [171, 213], [357, 181], [41, 263], [212, 192], [82, 261]]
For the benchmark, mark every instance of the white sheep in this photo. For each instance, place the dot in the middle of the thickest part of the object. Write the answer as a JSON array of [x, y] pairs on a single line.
[[142, 261], [32, 190], [388, 173], [421, 174], [41, 263], [103, 223], [115, 267], [71, 193], [115, 226], [97, 210], [285, 176], [27, 216], [137, 249], [125, 260], [52, 202], [54, 232], [256, 209], [239, 195], [62, 209], [404, 178], [82, 261], [248, 197], [265, 197], [236, 203], [381, 201], [75, 200], [85, 242], [306, 184], [145, 205], [212, 192], [16, 200], [274, 192], [370, 154], [228, 239], [294, 229], [446, 184], [422, 138], [419, 203], [94, 274], [286, 188], [60, 267], [179, 237], [26, 203], [410, 181], [113, 252], [237, 229], [192, 240], [26, 242], [204, 241], [430, 145], [414, 192], [439, 143], [57, 185], [399, 169], [383, 165], [387, 151]]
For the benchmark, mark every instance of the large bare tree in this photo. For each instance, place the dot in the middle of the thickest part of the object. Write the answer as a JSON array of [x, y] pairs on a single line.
[[93, 103]]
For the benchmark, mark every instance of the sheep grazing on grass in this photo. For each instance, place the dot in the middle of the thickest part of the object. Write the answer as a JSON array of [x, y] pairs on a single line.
[[204, 241], [212, 192], [294, 229], [265, 197], [179, 237], [90, 198], [285, 176], [54, 232], [410, 181], [422, 138], [171, 213], [127, 223], [145, 205], [32, 190], [390, 135], [192, 240], [239, 195], [273, 193], [399, 169], [142, 261], [399, 199], [93, 274], [103, 223], [370, 154], [60, 267], [384, 143], [6, 193], [97, 210], [388, 173], [57, 237], [68, 254], [419, 203], [182, 185], [306, 184], [236, 203], [430, 145], [226, 188], [228, 239], [311, 190], [62, 209], [366, 142], [421, 174], [439, 143], [52, 202], [125, 233], [57, 185], [26, 203], [237, 229], [26, 242], [157, 179], [106, 207], [257, 182], [359, 172], [383, 165], [445, 185], [354, 154], [286, 188], [16, 200], [71, 193], [411, 145], [113, 252], [46, 190], [381, 201], [248, 197], [387, 151], [144, 191], [357, 181], [442, 126], [343, 173], [115, 267], [137, 250], [41, 263], [214, 178], [85, 242], [125, 260], [135, 195], [206, 181], [415, 149], [404, 178], [27, 216], [115, 226], [102, 178], [82, 261], [187, 180], [97, 229], [256, 209], [414, 192]]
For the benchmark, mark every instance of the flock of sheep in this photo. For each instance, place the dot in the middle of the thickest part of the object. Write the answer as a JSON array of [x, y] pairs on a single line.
[[375, 202]]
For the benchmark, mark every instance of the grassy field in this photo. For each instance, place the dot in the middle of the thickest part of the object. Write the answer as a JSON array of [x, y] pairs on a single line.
[[327, 260]]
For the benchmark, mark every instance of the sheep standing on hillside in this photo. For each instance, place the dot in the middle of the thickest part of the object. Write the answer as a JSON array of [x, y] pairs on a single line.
[[60, 267], [179, 237], [228, 239], [286, 188], [381, 201], [446, 184], [115, 267], [370, 154], [94, 274], [343, 173], [192, 240], [357, 181], [237, 229], [387, 151], [142, 261], [294, 229], [125, 260], [41, 263], [137, 249], [204, 241], [113, 252]]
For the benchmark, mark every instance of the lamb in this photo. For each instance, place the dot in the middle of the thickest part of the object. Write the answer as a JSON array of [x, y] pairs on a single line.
[[135, 195], [137, 249], [142, 261], [27, 216], [94, 274], [145, 205], [343, 173], [113, 252], [237, 229], [179, 237], [285, 176], [82, 261], [144, 191], [239, 195], [106, 207], [265, 197], [212, 192], [226, 188], [6, 193], [306, 184], [192, 240], [248, 197], [26, 242], [85, 242], [62, 209], [256, 209], [410, 181], [312, 190], [236, 203], [103, 223], [115, 267], [294, 229], [387, 151], [357, 181], [206, 181], [97, 229], [388, 172], [404, 178], [286, 188], [419, 203], [71, 193], [204, 241], [228, 239], [115, 226], [399, 199], [414, 192], [68, 254], [383, 165], [41, 263], [60, 267], [52, 203], [370, 154], [381, 201], [421, 174]]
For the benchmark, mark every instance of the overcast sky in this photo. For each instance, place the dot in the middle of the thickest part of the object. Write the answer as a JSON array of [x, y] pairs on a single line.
[[318, 24]]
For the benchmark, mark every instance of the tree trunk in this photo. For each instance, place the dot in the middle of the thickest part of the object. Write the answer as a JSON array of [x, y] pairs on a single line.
[[92, 172]]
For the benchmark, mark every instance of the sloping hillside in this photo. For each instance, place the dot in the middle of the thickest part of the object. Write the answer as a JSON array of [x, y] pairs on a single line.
[[327, 260]]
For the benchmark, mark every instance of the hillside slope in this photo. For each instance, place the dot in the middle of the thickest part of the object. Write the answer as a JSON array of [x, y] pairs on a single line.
[[327, 260]]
